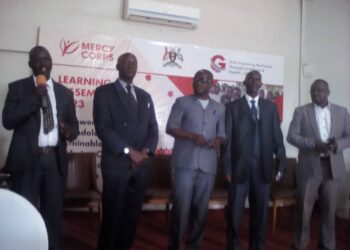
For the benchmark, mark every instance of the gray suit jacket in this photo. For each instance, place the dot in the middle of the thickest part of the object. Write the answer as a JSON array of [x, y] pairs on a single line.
[[188, 114], [303, 132]]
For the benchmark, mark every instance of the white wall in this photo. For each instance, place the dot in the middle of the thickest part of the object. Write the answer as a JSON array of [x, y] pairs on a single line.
[[327, 47], [269, 27], [327, 52]]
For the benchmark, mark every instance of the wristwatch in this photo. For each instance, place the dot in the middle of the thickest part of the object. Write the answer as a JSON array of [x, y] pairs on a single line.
[[126, 150]]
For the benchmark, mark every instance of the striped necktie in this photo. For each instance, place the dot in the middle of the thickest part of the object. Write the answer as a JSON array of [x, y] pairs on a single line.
[[133, 102]]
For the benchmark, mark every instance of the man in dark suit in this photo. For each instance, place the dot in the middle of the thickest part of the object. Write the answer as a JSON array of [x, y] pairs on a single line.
[[125, 122], [253, 135], [41, 114], [321, 131]]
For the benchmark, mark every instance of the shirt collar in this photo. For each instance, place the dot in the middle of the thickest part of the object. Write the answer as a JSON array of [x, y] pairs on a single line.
[[203, 100], [124, 84], [317, 107], [249, 99]]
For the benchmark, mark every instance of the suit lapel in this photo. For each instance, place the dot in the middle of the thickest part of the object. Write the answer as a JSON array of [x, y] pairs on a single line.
[[246, 108], [124, 99], [142, 103], [312, 117], [210, 107], [58, 103], [30, 89], [333, 118], [262, 110], [196, 101], [122, 96]]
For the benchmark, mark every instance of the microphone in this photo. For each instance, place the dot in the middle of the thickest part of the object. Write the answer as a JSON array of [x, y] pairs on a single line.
[[41, 81]]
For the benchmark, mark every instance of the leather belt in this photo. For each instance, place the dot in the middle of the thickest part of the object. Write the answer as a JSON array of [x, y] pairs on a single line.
[[47, 150]]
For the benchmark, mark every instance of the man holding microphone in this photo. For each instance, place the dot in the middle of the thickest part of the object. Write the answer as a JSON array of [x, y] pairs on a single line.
[[41, 114]]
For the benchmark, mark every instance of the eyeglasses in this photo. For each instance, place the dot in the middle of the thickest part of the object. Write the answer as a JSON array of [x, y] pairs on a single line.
[[203, 80]]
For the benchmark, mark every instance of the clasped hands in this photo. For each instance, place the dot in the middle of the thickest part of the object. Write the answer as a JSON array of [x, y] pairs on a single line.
[[201, 141], [138, 157], [325, 148]]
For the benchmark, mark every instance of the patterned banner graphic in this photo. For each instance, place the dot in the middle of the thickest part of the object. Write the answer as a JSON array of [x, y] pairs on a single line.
[[85, 60]]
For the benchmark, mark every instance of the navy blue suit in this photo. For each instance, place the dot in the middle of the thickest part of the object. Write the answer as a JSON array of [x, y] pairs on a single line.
[[123, 187], [250, 173], [21, 114]]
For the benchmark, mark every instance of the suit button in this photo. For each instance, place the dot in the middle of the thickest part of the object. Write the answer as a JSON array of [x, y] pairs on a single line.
[[125, 124]]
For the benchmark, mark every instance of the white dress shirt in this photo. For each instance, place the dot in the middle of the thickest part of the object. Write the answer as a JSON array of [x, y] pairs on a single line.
[[124, 84], [51, 138], [256, 99], [323, 118]]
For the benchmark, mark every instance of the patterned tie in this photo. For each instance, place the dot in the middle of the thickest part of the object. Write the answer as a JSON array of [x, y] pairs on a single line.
[[133, 102], [47, 115], [254, 111]]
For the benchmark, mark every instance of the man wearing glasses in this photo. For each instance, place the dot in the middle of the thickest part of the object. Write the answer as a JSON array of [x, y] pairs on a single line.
[[198, 125]]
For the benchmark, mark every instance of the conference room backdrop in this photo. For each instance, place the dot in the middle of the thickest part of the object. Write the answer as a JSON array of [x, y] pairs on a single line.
[[84, 60]]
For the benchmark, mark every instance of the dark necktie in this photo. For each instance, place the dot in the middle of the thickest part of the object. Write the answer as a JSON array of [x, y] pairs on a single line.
[[254, 111], [133, 102], [47, 114], [257, 150]]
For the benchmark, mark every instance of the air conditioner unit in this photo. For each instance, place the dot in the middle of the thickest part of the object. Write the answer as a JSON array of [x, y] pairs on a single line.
[[161, 13]]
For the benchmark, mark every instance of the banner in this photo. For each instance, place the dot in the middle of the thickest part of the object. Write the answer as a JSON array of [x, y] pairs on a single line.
[[84, 60]]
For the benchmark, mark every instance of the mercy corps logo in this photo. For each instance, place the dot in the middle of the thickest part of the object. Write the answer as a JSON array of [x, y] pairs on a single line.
[[88, 50], [217, 63]]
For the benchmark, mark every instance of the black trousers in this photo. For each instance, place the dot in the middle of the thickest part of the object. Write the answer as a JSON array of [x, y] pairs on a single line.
[[43, 187], [258, 192], [122, 199]]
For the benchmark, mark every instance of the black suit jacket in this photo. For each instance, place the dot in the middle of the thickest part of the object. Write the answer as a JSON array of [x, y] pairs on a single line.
[[21, 114], [240, 129], [115, 127]]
